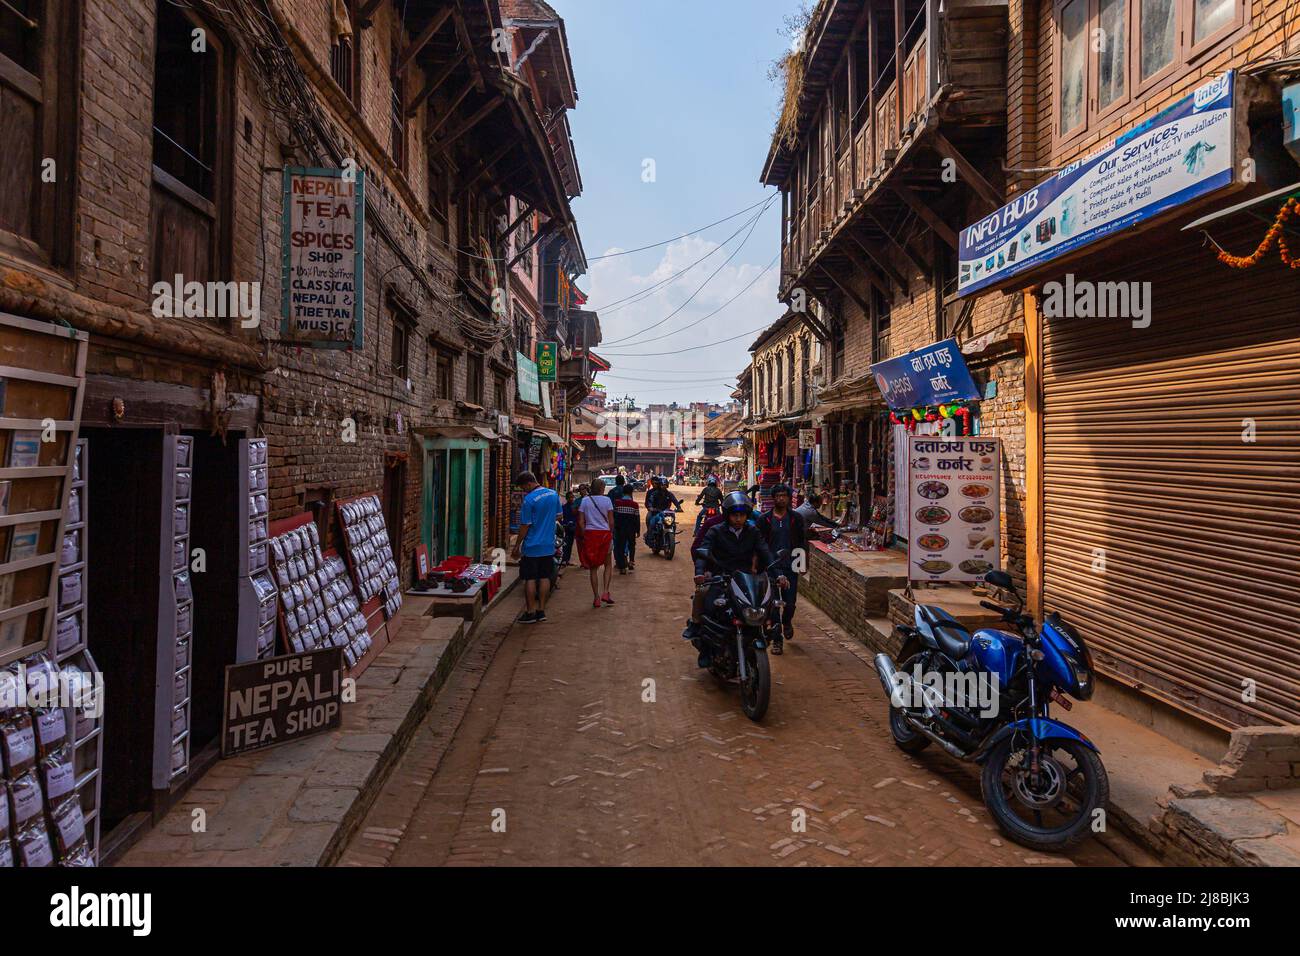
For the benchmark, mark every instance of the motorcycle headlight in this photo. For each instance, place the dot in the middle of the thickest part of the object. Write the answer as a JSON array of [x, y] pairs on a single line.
[[753, 615]]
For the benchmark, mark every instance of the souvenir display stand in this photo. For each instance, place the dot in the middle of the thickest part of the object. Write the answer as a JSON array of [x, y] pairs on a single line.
[[370, 552], [50, 781], [257, 594], [175, 617], [317, 603]]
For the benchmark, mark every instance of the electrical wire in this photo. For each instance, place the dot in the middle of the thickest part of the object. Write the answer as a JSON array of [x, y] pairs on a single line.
[[691, 298], [655, 245], [694, 348], [610, 308], [669, 335]]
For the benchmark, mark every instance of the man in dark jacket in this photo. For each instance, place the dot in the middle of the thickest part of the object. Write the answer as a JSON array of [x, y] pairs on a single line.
[[784, 530], [733, 545], [627, 526]]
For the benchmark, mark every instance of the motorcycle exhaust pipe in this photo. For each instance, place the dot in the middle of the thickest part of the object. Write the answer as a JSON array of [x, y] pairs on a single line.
[[894, 683]]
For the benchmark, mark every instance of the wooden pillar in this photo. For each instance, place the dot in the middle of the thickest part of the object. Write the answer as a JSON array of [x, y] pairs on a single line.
[[1033, 453], [899, 54], [853, 110], [873, 73]]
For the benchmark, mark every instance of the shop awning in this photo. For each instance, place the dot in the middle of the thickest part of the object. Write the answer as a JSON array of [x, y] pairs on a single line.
[[455, 431]]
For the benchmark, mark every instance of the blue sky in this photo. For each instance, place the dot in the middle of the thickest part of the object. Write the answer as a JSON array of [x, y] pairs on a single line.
[[685, 84]]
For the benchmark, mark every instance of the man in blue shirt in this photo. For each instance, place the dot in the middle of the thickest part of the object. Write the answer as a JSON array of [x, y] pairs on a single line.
[[535, 547]]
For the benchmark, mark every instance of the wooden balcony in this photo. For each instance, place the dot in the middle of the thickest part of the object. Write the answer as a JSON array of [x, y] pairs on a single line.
[[952, 81]]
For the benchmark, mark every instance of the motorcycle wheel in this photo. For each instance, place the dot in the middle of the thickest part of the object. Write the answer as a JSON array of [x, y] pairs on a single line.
[[905, 738], [670, 549], [1054, 813], [756, 692]]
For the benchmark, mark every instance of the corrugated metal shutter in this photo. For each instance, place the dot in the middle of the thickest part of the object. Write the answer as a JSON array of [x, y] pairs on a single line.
[[1144, 457]]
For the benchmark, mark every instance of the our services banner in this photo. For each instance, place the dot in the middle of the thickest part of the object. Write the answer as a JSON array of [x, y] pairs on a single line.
[[954, 510], [321, 281], [1182, 153]]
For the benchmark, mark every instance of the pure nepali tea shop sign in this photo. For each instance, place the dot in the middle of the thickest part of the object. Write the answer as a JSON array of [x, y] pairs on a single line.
[[322, 278], [1179, 155], [281, 699]]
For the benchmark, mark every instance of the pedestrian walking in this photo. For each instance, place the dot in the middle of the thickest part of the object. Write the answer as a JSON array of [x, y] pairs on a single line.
[[627, 528], [569, 519], [535, 545], [595, 539]]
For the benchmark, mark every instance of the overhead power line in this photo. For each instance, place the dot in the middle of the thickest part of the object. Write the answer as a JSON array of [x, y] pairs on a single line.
[[655, 245]]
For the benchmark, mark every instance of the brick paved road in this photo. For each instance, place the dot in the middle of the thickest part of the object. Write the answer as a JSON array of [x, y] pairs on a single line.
[[545, 729]]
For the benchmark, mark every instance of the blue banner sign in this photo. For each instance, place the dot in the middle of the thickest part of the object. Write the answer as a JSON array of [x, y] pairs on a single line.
[[1178, 155], [934, 375]]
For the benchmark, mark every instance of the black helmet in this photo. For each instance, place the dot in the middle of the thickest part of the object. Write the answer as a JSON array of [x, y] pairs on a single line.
[[736, 501], [713, 479]]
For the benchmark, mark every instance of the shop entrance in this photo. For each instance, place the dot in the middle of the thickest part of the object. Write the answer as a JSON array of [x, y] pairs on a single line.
[[214, 527], [453, 498], [123, 528]]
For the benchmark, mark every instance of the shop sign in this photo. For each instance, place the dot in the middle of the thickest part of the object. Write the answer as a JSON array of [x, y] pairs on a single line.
[[807, 437], [933, 375], [322, 273], [285, 698], [792, 447], [548, 357], [954, 508], [526, 376], [1182, 153], [545, 389]]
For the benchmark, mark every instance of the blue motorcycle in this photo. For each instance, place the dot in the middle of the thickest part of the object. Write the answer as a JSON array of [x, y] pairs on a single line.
[[984, 698]]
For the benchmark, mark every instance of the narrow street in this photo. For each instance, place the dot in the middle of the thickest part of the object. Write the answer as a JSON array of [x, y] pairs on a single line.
[[548, 724]]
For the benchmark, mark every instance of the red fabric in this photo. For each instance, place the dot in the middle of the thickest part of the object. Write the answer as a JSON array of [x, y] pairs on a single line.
[[454, 565], [593, 548]]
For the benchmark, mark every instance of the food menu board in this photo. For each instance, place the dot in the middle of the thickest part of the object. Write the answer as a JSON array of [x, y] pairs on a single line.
[[954, 504]]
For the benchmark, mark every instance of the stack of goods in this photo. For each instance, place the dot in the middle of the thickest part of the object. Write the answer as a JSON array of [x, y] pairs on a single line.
[[183, 601], [370, 553], [770, 478], [487, 573], [41, 819], [320, 607], [257, 563], [69, 625]]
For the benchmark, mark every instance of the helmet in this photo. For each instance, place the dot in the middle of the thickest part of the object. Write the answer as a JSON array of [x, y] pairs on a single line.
[[736, 501], [713, 479]]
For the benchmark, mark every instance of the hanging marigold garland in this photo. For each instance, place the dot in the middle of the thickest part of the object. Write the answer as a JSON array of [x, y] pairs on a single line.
[[1276, 233]]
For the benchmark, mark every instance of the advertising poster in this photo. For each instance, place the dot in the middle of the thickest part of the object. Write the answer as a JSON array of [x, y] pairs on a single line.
[[933, 375], [322, 275], [526, 375], [280, 699], [955, 499], [548, 358], [1176, 156]]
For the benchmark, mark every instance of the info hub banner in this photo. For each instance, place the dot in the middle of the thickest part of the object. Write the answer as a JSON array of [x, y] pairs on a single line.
[[1176, 156], [324, 257]]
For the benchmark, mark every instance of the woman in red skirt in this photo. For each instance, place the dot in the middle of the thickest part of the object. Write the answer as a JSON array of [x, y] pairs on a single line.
[[595, 536]]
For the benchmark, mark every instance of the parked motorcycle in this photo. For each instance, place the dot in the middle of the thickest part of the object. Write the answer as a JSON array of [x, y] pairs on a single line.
[[662, 536], [738, 628], [984, 698]]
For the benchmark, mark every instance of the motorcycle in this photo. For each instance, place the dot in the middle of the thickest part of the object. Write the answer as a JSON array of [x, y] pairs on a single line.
[[984, 698], [738, 627], [704, 515], [663, 535]]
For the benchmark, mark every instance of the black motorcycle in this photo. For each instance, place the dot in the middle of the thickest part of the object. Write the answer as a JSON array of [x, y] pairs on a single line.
[[737, 626], [662, 537]]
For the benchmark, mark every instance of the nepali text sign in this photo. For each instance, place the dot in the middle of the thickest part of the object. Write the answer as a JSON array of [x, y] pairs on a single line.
[[548, 357], [933, 375], [281, 699], [1176, 156], [953, 512], [526, 374], [321, 282]]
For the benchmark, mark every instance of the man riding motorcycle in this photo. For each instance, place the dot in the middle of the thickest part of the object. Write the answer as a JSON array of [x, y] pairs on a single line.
[[658, 500], [733, 545], [709, 497]]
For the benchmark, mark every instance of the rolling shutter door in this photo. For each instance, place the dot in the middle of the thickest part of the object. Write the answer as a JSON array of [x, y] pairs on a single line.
[[1144, 458]]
